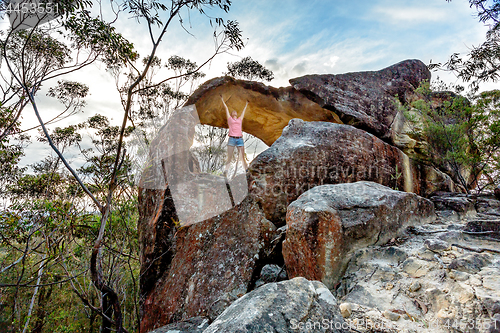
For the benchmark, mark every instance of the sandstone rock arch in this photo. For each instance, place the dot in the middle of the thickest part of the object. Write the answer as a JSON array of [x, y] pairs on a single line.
[[269, 111]]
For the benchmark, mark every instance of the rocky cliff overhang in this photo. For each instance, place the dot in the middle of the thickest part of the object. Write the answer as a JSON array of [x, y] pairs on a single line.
[[269, 109], [365, 100]]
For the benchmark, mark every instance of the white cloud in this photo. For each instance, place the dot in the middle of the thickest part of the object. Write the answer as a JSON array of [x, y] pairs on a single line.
[[412, 14], [331, 61], [381, 33]]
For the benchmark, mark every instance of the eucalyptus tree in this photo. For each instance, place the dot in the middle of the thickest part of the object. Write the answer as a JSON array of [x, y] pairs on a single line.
[[250, 69], [75, 40]]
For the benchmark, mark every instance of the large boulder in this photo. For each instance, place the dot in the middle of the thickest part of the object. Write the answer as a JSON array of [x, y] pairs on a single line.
[[459, 205], [290, 306], [370, 100], [269, 109], [213, 263], [490, 227], [202, 244], [327, 223], [366, 99], [309, 154], [174, 194]]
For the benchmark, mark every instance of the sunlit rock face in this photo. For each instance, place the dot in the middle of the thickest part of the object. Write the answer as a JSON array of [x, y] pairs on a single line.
[[309, 154], [269, 109], [327, 223], [285, 307], [366, 99], [409, 135], [380, 280]]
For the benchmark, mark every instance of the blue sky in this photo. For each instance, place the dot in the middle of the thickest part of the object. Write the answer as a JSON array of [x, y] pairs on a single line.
[[295, 38]]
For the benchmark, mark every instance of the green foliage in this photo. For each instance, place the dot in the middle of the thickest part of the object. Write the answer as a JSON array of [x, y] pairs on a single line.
[[10, 156], [156, 101], [100, 38], [49, 216], [249, 69], [59, 232], [395, 177], [68, 91], [48, 228], [63, 137], [482, 63], [37, 50], [100, 159], [463, 136], [184, 67], [486, 135]]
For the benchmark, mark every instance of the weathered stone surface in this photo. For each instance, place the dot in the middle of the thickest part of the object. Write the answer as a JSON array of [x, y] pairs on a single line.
[[327, 223], [494, 326], [497, 192], [417, 267], [192, 325], [415, 286], [490, 228], [345, 309], [471, 263], [198, 270], [488, 204], [391, 315], [452, 287], [317, 153], [492, 305], [213, 263], [365, 99], [436, 245], [408, 136], [371, 101], [296, 305], [457, 202], [269, 109]]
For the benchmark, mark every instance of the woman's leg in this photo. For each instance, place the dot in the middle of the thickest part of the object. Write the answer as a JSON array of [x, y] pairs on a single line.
[[230, 150], [241, 150]]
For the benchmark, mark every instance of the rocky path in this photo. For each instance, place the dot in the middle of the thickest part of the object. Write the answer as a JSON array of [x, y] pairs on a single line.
[[439, 277]]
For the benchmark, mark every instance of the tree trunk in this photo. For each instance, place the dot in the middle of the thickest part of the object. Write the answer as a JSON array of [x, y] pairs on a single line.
[[41, 312], [107, 309]]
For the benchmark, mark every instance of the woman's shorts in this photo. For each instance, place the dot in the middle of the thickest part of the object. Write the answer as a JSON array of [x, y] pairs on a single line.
[[236, 142]]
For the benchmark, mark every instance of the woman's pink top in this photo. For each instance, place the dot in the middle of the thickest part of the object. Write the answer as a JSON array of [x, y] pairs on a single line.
[[234, 126]]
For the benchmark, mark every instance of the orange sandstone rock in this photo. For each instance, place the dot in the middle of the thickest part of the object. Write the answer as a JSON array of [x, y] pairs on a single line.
[[269, 109]]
